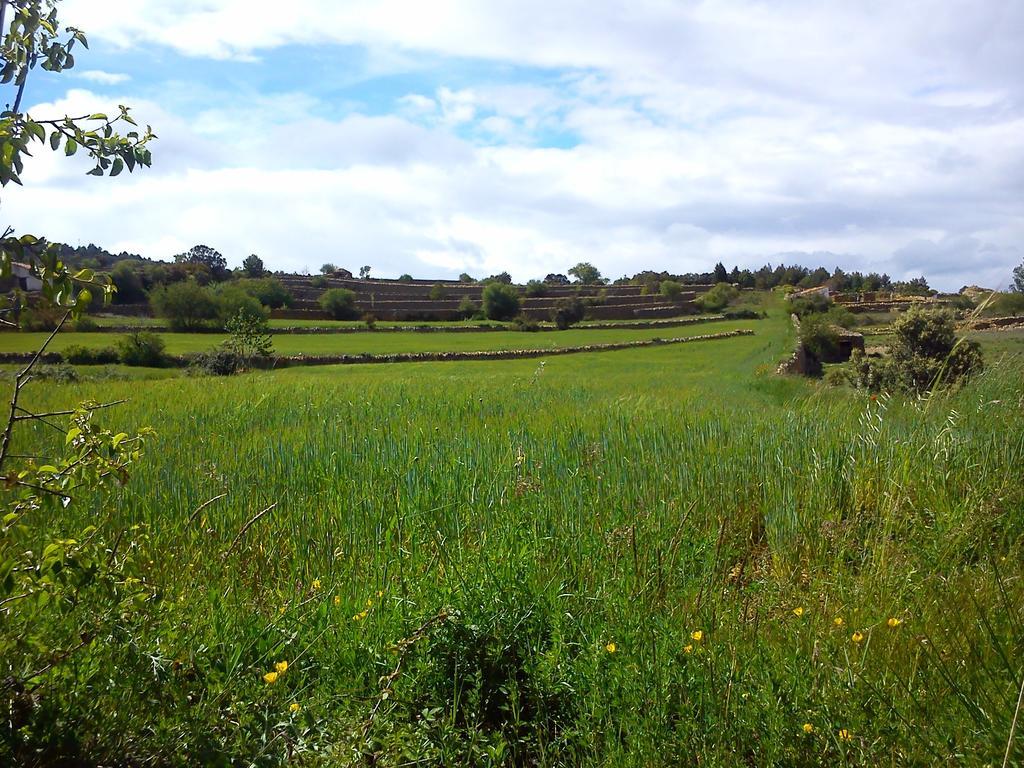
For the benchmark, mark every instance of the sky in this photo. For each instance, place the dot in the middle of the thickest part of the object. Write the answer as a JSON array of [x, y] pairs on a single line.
[[453, 136]]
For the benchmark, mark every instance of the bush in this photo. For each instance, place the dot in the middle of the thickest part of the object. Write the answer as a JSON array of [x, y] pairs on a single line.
[[525, 323], [535, 289], [438, 292], [39, 318], [85, 324], [468, 308], [187, 306], [802, 306], [717, 298], [76, 354], [568, 312], [820, 341], [924, 354], [340, 303], [142, 348], [268, 291], [371, 320], [501, 301], [406, 278], [233, 301], [221, 360], [744, 314], [671, 290], [319, 281], [128, 283]]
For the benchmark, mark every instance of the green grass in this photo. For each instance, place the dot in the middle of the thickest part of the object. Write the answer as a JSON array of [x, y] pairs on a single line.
[[384, 343], [543, 513]]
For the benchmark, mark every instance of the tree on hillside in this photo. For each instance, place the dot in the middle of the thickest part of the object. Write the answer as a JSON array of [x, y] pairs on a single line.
[[253, 266], [586, 274], [500, 301], [328, 269], [364, 272], [556, 279], [721, 274], [1018, 279], [205, 256]]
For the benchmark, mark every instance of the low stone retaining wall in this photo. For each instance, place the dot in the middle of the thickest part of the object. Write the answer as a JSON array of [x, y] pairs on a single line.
[[503, 354]]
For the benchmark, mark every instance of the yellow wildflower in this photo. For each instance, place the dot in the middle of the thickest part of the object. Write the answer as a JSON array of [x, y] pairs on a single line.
[[281, 667], [360, 616], [894, 622], [293, 707], [857, 636], [688, 649], [798, 611], [316, 584], [845, 735], [380, 593], [808, 728], [610, 647], [270, 678], [697, 635], [283, 609], [369, 603], [838, 621], [337, 599]]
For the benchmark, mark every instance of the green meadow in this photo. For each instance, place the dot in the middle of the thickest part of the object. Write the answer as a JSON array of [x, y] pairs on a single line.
[[388, 342], [663, 556]]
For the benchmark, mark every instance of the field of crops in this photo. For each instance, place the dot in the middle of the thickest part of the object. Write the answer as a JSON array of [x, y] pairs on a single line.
[[667, 556], [384, 343]]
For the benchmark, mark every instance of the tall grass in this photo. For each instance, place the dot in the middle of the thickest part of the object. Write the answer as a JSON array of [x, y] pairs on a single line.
[[657, 557]]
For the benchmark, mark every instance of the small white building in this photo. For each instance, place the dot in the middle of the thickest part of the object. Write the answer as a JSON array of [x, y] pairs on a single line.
[[24, 279]]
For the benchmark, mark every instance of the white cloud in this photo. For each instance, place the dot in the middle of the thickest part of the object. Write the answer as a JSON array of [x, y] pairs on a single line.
[[698, 131], [103, 78]]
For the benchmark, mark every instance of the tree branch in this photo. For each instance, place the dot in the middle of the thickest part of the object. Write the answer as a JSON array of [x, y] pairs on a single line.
[[19, 380]]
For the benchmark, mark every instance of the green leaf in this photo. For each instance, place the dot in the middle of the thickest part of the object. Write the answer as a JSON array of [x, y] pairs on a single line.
[[117, 167], [70, 147], [84, 297], [85, 275], [72, 434], [54, 140]]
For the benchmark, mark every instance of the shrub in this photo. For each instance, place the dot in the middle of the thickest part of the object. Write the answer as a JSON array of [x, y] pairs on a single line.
[[371, 320], [319, 281], [406, 278], [717, 298], [535, 289], [501, 301], [142, 348], [221, 360], [820, 341], [41, 317], [233, 301], [268, 291], [128, 283], [671, 290], [340, 303], [186, 305], [76, 354], [568, 312], [802, 306], [924, 353], [438, 292], [85, 324], [468, 308], [743, 314], [525, 323]]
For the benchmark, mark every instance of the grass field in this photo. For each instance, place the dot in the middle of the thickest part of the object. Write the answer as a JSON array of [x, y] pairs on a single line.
[[666, 556], [385, 343]]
